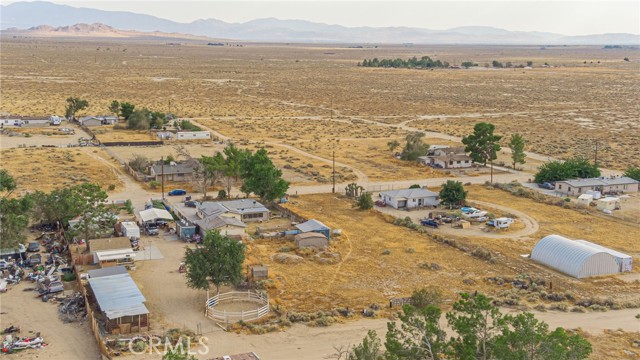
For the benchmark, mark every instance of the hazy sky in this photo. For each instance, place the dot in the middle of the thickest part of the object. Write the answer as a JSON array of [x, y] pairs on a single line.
[[565, 17]]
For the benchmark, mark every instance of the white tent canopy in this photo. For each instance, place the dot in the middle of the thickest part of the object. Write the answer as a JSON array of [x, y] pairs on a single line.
[[155, 214]]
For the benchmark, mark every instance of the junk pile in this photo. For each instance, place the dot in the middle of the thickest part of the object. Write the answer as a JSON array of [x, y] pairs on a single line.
[[72, 308], [12, 344]]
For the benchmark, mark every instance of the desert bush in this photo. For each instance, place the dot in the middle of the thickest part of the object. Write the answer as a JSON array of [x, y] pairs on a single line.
[[559, 307], [410, 250], [284, 249], [386, 252], [424, 297], [483, 254]]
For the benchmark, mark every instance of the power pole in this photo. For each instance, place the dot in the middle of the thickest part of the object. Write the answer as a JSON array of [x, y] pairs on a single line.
[[162, 175], [169, 106], [333, 190], [595, 160]]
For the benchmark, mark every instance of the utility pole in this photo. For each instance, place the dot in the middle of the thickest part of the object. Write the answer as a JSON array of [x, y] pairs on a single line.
[[169, 106], [333, 190], [595, 160], [162, 175]]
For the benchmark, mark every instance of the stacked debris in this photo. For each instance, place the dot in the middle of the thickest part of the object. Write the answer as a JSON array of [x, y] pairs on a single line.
[[12, 344], [72, 308]]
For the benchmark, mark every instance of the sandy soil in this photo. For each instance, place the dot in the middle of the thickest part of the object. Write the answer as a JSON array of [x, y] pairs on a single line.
[[66, 341]]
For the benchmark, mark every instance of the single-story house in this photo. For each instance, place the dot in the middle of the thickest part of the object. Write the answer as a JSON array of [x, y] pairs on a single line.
[[311, 240], [245, 210], [98, 120], [35, 121], [410, 198], [154, 214], [10, 121], [172, 172], [228, 226], [111, 251], [314, 226], [575, 187], [193, 135], [121, 302], [447, 158]]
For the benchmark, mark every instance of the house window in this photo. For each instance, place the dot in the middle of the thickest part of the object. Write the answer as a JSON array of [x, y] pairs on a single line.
[[458, 162], [569, 189], [180, 174], [559, 186], [252, 216], [450, 162]]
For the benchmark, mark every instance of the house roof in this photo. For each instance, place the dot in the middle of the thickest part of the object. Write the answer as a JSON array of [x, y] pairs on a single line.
[[153, 214], [107, 255], [309, 235], [312, 225], [601, 181], [454, 157], [109, 244], [175, 168], [409, 193], [108, 271], [216, 222], [118, 296], [241, 206]]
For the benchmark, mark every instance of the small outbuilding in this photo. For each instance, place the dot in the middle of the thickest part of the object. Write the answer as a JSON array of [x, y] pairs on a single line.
[[121, 302], [311, 240], [573, 258], [258, 272], [314, 226], [585, 199], [130, 229], [608, 203]]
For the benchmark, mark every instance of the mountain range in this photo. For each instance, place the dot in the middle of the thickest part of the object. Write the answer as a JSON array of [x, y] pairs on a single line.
[[25, 15]]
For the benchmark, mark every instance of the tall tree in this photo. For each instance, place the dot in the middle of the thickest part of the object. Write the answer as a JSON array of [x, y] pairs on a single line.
[[414, 147], [369, 349], [576, 167], [114, 108], [217, 261], [208, 171], [262, 178], [482, 143], [452, 193], [633, 172], [126, 109], [14, 213], [418, 337], [74, 105], [7, 182], [139, 119], [516, 144], [234, 157]]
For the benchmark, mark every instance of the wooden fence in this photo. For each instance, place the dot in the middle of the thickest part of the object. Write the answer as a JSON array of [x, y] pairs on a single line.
[[235, 316], [131, 143], [95, 326]]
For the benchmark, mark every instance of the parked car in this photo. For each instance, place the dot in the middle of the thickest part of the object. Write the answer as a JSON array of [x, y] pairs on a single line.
[[176, 192], [429, 222], [546, 185], [152, 229], [34, 246], [4, 264], [35, 259], [380, 203], [190, 204]]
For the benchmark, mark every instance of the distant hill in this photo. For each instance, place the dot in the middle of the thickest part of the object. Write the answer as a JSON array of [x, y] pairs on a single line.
[[25, 15]]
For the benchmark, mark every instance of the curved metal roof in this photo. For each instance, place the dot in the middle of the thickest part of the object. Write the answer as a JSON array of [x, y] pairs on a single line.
[[573, 258]]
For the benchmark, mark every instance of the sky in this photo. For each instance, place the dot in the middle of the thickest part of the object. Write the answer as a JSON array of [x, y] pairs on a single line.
[[563, 17]]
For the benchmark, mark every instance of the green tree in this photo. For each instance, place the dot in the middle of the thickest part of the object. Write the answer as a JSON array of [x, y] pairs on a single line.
[[369, 349], [477, 324], [234, 157], [262, 178], [414, 147], [415, 186], [139, 163], [7, 183], [633, 172], [468, 64], [14, 219], [516, 144], [576, 167], [482, 144], [179, 353], [424, 297], [452, 193], [114, 108], [126, 109], [74, 105], [139, 120], [208, 171], [364, 201], [218, 261], [419, 335], [393, 145], [157, 119], [529, 63], [353, 189], [496, 64]]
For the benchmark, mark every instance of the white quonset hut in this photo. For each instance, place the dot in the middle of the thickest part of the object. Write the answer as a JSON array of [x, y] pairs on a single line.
[[573, 258], [625, 262]]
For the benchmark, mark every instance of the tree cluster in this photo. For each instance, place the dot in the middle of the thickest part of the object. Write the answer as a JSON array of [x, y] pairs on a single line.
[[509, 64], [576, 167], [14, 213], [138, 119], [424, 62], [633, 172], [477, 331], [452, 193], [414, 147]]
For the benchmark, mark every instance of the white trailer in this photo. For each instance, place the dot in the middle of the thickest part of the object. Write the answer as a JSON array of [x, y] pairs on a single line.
[[130, 229]]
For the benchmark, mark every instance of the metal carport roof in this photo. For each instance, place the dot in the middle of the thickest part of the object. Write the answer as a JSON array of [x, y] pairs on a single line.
[[153, 214], [118, 296]]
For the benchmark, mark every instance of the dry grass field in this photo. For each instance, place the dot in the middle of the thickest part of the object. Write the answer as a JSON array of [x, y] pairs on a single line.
[[561, 109], [46, 169], [363, 273]]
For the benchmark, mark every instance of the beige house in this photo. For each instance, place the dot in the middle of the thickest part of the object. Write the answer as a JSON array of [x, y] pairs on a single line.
[[311, 240], [604, 185], [448, 158], [172, 172], [245, 210], [228, 226]]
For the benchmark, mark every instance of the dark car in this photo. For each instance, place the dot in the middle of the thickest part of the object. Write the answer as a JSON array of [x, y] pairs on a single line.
[[33, 246], [190, 203], [35, 259], [176, 192], [429, 222], [152, 229], [546, 185], [381, 203]]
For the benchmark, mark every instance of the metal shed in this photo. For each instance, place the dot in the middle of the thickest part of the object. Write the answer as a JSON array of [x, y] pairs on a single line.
[[314, 226], [625, 262], [121, 302], [311, 240], [573, 258]]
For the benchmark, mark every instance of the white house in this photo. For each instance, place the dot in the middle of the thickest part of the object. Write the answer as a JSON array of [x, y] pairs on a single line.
[[228, 226], [447, 158], [245, 210], [410, 198], [603, 184], [193, 135]]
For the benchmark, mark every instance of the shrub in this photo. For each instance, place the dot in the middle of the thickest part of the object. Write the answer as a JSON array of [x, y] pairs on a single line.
[[112, 187], [139, 346], [284, 249], [410, 250], [68, 277], [129, 206], [386, 252], [426, 296], [154, 184]]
